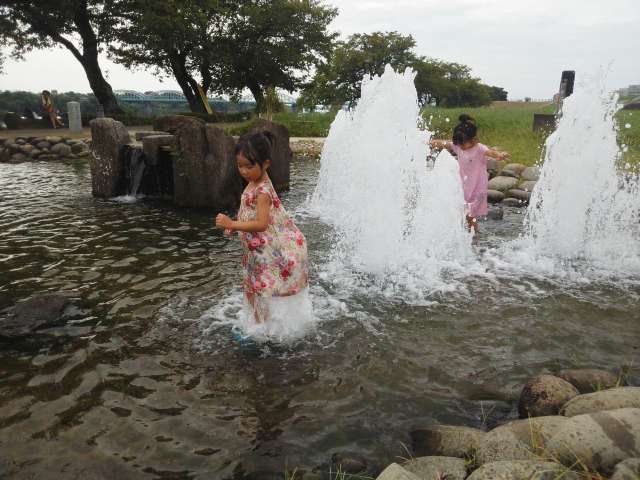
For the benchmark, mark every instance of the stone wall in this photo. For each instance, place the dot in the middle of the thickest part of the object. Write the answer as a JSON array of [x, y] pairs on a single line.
[[108, 136], [46, 148]]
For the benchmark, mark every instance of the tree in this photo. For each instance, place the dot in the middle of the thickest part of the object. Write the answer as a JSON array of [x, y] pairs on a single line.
[[497, 93], [81, 27], [338, 80], [226, 46]]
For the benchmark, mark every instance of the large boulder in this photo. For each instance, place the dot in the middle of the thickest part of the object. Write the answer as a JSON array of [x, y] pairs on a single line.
[[522, 470], [531, 174], [172, 123], [519, 439], [627, 470], [32, 314], [43, 145], [205, 171], [502, 183], [279, 172], [623, 397], [151, 145], [451, 468], [598, 441], [446, 440], [396, 472], [78, 147], [544, 395], [108, 137], [589, 380]]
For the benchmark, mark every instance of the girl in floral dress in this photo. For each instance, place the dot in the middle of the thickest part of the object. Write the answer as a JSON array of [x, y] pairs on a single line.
[[275, 251]]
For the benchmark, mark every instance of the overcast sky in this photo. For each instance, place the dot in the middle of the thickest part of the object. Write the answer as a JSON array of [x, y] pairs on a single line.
[[520, 45]]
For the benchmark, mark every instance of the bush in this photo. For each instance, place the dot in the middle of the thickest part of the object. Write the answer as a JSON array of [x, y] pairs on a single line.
[[218, 117]]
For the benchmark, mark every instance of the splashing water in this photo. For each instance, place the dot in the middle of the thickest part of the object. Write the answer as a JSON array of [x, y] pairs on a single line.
[[395, 221], [582, 207]]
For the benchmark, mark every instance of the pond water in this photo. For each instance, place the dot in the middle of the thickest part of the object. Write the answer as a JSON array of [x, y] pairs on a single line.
[[143, 379]]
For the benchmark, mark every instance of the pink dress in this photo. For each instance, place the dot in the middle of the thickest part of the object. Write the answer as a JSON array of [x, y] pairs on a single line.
[[473, 172], [275, 261]]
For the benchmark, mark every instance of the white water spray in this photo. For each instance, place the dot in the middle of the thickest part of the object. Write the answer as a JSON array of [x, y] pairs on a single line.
[[394, 219], [582, 207]]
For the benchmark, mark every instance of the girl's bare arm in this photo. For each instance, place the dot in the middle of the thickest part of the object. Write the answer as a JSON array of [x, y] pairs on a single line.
[[260, 224], [496, 154]]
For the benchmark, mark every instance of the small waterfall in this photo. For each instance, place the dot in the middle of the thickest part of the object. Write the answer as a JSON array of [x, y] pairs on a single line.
[[133, 160], [583, 208], [394, 218]]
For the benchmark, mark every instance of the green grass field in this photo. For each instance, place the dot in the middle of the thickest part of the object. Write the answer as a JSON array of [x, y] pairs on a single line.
[[505, 125]]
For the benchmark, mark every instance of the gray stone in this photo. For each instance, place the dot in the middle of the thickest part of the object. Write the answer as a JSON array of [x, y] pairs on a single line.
[[428, 468], [531, 174], [27, 149], [513, 202], [43, 145], [519, 439], [13, 147], [32, 314], [494, 166], [78, 147], [590, 380], [446, 440], [544, 395], [205, 171], [279, 172], [108, 136], [627, 470], [141, 135], [613, 399], [172, 123], [86, 153], [151, 145], [53, 139], [48, 157], [35, 153], [522, 470], [519, 194], [527, 185], [18, 158], [20, 141], [516, 168], [61, 149], [495, 196], [508, 173], [75, 118], [598, 441], [495, 213], [396, 472], [502, 183], [348, 463]]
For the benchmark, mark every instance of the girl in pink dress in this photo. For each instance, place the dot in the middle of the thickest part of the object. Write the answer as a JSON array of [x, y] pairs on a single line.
[[472, 161], [275, 251]]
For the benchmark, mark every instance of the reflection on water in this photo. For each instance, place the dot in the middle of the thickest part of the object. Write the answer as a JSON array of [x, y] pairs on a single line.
[[143, 379]]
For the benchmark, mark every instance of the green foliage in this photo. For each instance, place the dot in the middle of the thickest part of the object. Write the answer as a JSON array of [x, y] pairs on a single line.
[[19, 100], [338, 81], [629, 138], [498, 93], [219, 117], [299, 124], [272, 103]]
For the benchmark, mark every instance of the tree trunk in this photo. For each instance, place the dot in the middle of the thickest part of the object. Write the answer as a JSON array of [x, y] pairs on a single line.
[[89, 59], [258, 95], [187, 83]]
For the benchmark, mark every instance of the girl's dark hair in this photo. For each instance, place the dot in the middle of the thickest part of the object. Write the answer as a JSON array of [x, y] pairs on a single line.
[[465, 131], [255, 147]]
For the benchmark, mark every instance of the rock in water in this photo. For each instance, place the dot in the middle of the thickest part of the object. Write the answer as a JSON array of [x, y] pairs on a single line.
[[627, 470], [513, 202], [623, 397], [522, 470], [502, 183], [495, 196], [531, 174], [589, 380], [446, 440], [61, 149], [108, 136], [451, 468], [396, 472], [527, 185], [544, 395], [495, 213], [32, 314], [519, 440], [599, 441], [521, 195]]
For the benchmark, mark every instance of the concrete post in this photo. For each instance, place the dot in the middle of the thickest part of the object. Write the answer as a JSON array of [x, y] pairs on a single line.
[[75, 119]]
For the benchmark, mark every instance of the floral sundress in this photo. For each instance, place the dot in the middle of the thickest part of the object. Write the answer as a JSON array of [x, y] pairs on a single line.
[[275, 261]]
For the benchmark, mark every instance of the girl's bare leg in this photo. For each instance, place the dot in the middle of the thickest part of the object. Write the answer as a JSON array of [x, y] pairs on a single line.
[[53, 119], [472, 224], [260, 312]]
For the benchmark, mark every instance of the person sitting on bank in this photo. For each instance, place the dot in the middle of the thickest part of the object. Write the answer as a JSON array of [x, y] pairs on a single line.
[[49, 108]]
